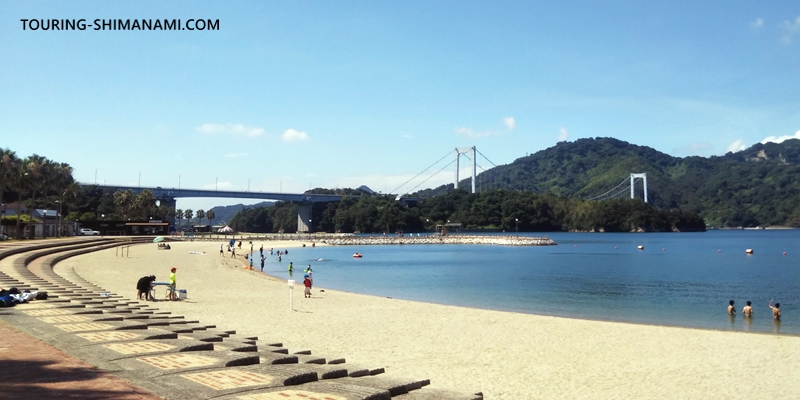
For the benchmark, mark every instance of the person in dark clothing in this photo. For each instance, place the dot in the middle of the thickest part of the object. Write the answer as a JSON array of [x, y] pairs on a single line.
[[143, 286]]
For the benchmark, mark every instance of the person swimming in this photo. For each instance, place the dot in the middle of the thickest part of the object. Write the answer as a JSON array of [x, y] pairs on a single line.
[[776, 311], [748, 310]]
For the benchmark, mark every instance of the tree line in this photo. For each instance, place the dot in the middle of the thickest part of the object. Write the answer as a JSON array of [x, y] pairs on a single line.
[[756, 186], [38, 182], [496, 210]]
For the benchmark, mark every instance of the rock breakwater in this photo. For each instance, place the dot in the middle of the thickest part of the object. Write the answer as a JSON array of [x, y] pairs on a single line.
[[495, 240]]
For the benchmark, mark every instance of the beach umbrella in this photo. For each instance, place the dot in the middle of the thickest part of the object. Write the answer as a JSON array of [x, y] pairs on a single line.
[[158, 239]]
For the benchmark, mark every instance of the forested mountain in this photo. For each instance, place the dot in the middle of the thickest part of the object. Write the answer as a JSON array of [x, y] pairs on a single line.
[[757, 186], [223, 214]]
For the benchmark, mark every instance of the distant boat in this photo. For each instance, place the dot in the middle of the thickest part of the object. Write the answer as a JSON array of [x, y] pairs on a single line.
[[357, 255]]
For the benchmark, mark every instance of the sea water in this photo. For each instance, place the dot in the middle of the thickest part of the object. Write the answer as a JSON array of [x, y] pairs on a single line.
[[677, 279]]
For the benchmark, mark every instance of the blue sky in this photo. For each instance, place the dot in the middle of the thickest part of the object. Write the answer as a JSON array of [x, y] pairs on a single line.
[[292, 95]]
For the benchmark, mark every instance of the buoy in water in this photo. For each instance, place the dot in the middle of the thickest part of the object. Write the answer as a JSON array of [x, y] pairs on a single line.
[[749, 251], [719, 251], [664, 249], [784, 253], [640, 247]]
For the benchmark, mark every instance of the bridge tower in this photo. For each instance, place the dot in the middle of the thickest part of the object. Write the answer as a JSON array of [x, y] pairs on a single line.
[[461, 151], [304, 222], [644, 183]]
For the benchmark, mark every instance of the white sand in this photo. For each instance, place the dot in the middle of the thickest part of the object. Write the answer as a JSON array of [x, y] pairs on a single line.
[[504, 355]]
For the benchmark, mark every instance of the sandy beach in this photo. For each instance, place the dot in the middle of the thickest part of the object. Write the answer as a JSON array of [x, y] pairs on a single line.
[[504, 355]]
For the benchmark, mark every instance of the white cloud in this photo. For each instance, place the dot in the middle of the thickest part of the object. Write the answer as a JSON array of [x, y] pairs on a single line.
[[468, 132], [563, 135], [757, 24], [229, 129], [292, 135], [779, 139], [791, 28], [236, 155], [737, 145], [407, 136], [510, 123]]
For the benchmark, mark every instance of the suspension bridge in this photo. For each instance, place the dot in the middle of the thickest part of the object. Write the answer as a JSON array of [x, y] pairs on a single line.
[[478, 181]]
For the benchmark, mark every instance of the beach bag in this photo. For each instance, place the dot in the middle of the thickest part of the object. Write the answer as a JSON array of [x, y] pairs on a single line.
[[6, 301], [41, 296]]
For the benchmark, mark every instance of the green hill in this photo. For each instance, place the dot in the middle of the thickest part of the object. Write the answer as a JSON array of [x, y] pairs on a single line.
[[757, 186]]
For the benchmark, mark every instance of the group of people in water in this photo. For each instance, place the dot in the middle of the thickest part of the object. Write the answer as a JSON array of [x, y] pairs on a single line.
[[747, 311]]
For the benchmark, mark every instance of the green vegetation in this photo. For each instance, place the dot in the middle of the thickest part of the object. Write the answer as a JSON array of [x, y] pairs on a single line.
[[492, 210], [756, 186]]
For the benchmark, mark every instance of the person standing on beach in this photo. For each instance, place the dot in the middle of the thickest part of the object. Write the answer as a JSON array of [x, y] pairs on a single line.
[[233, 252], [143, 287], [776, 311], [221, 253], [262, 261], [290, 268], [261, 250], [747, 310], [731, 309], [307, 284], [172, 283]]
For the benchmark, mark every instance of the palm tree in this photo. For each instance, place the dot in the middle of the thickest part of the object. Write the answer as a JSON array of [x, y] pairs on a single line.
[[20, 182], [61, 180], [144, 203], [9, 171], [210, 216], [123, 202], [200, 215], [36, 167], [179, 216], [188, 214]]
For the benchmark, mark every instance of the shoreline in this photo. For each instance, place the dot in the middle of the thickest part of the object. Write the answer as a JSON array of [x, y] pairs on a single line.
[[501, 353], [349, 239], [283, 281]]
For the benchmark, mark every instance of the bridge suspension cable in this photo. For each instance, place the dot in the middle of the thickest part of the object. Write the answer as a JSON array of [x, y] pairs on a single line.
[[426, 179], [606, 195], [423, 171], [627, 185], [459, 153]]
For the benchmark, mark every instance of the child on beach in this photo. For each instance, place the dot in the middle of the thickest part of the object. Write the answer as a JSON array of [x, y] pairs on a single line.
[[172, 283], [307, 284]]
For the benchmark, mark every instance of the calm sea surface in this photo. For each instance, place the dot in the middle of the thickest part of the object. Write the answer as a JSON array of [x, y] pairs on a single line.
[[680, 279]]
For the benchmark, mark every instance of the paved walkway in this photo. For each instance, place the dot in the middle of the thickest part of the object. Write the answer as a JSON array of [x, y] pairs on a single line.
[[31, 369]]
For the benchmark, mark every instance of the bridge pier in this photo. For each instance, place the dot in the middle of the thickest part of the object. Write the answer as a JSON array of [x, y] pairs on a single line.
[[304, 217]]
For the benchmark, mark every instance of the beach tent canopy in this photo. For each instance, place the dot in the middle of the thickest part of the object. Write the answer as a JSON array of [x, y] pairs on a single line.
[[226, 229]]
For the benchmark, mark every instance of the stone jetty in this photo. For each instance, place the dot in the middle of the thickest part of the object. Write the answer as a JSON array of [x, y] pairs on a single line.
[[455, 239]]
